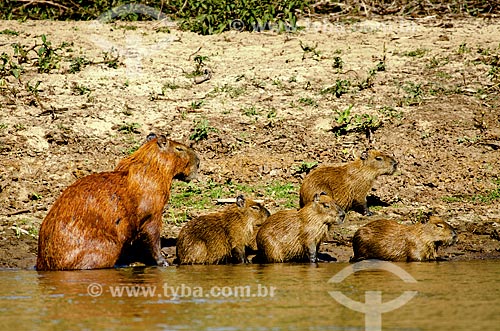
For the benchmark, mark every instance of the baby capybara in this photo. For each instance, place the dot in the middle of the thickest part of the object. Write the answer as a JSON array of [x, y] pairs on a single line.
[[350, 183], [98, 216], [221, 237], [388, 240], [292, 235]]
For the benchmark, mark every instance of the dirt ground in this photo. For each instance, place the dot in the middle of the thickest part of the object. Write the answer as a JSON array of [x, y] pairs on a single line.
[[269, 110]]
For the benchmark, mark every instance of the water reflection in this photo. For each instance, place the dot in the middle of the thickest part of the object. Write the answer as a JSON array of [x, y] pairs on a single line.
[[451, 296]]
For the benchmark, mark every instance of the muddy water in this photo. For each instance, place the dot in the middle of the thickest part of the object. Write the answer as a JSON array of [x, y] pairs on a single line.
[[449, 296]]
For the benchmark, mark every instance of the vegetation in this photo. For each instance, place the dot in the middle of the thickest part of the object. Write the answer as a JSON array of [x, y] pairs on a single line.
[[129, 128], [419, 52], [199, 67], [488, 197], [44, 57], [201, 130], [194, 197], [305, 167], [340, 87], [214, 16], [204, 17], [345, 122], [231, 91], [310, 51]]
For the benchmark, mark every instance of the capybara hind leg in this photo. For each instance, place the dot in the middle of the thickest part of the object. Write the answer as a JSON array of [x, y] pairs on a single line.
[[91, 259]]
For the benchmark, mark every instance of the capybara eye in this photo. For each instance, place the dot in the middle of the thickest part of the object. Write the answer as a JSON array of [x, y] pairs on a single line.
[[178, 149], [327, 206], [255, 207], [379, 158], [439, 225]]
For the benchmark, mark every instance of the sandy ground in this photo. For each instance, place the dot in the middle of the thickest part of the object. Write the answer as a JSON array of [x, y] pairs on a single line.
[[266, 101]]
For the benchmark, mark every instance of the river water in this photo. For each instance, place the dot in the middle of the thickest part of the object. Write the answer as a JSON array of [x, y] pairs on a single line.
[[442, 296]]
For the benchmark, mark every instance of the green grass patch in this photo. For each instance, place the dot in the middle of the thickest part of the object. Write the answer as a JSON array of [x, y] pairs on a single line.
[[201, 130], [452, 199], [305, 167], [199, 198], [414, 94], [129, 128], [489, 196], [9, 32], [231, 91], [308, 102], [419, 52], [345, 122], [340, 87], [284, 193], [250, 111]]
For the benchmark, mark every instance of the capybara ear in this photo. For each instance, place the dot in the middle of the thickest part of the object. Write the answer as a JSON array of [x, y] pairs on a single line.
[[364, 155], [316, 196], [151, 136], [162, 141], [240, 201], [427, 216]]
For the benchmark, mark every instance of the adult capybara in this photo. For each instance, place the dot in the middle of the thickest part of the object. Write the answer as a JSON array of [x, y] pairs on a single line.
[[348, 184], [221, 237], [295, 235], [100, 215], [388, 240]]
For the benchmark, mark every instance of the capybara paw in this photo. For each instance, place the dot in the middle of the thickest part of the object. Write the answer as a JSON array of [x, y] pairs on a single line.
[[162, 262]]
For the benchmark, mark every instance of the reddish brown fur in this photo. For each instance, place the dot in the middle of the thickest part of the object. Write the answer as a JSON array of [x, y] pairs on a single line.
[[220, 237], [292, 235], [349, 183], [391, 241], [98, 216]]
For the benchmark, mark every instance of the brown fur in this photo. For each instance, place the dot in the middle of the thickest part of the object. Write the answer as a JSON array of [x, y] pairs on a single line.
[[391, 241], [292, 235], [349, 183], [220, 237], [98, 216]]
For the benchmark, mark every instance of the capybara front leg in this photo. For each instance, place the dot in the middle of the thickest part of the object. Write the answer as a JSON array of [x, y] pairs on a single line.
[[238, 255], [312, 253], [151, 236], [364, 208]]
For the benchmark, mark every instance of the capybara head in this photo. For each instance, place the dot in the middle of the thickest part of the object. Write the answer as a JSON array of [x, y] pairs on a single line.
[[440, 232], [158, 151], [326, 208], [378, 162], [254, 212]]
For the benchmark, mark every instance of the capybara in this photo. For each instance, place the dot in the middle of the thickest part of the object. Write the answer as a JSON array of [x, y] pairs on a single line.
[[388, 240], [348, 184], [295, 235], [100, 215], [219, 238]]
